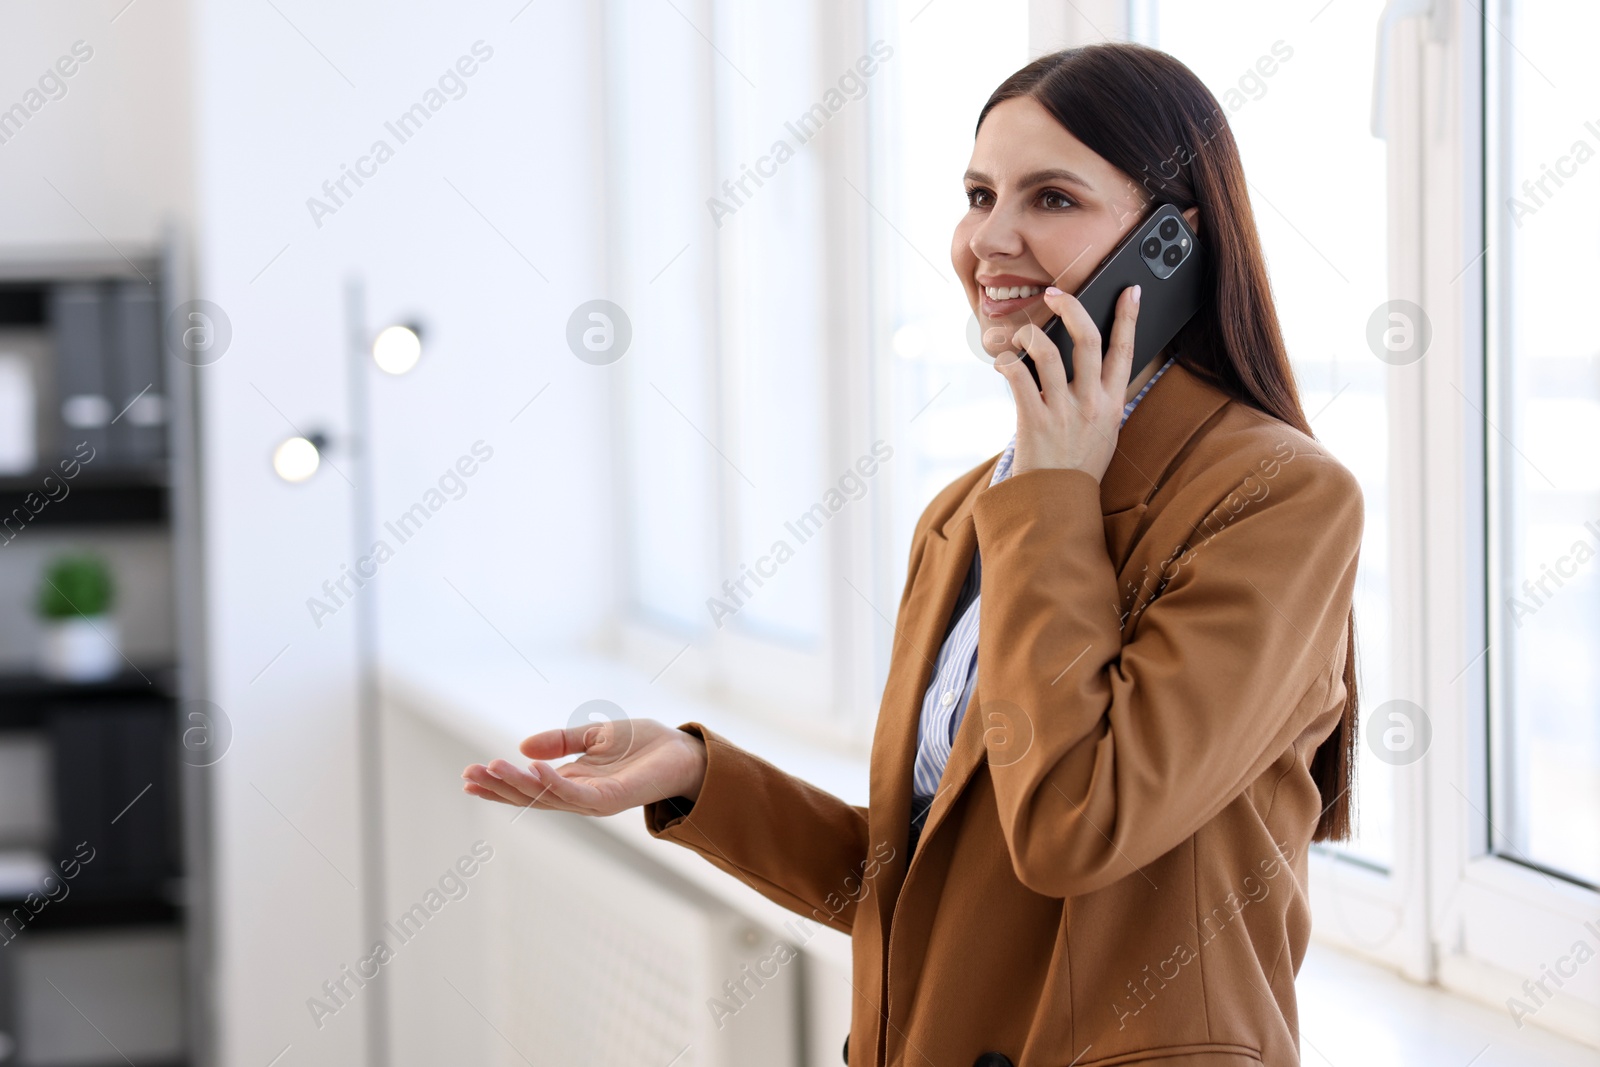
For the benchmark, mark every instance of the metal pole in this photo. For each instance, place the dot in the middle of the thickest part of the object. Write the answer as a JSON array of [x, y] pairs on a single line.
[[369, 735]]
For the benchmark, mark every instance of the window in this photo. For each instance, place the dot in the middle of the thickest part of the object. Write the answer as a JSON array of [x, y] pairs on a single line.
[[735, 132], [770, 263], [1544, 398], [663, 274]]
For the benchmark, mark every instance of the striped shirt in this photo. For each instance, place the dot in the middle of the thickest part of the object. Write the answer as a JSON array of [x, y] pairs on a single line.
[[956, 670]]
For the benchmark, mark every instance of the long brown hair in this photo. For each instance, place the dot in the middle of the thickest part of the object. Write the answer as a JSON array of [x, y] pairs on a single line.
[[1149, 116]]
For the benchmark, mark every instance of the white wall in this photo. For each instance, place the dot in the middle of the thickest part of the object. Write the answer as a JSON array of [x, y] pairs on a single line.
[[115, 140], [285, 95]]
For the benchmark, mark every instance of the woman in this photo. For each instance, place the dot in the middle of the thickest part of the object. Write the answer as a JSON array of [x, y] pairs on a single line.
[[1087, 832]]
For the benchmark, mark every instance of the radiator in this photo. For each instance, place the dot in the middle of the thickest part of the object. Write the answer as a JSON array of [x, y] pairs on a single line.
[[602, 959]]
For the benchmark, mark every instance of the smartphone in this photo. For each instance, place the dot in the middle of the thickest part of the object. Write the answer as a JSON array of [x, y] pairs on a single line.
[[1162, 255]]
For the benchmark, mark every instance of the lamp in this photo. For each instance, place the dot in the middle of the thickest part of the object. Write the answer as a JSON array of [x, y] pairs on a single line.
[[297, 458], [397, 348]]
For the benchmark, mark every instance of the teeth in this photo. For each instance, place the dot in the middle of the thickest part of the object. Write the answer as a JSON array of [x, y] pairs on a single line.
[[1012, 292]]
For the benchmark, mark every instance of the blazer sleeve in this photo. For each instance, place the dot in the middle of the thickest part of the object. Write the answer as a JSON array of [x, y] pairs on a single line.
[[1105, 756], [795, 844]]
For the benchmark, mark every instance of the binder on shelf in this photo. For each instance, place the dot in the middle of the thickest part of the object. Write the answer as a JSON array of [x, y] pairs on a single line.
[[114, 798], [138, 387], [78, 315]]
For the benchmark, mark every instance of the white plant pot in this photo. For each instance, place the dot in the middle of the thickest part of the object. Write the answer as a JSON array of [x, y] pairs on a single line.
[[81, 649]]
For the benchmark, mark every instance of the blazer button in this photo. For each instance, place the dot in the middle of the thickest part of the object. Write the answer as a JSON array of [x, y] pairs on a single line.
[[992, 1059]]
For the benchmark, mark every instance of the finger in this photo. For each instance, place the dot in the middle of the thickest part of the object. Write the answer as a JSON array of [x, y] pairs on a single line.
[[476, 790], [483, 778], [1047, 357], [579, 769], [553, 744], [520, 802], [1023, 391], [1118, 367], [523, 782], [1082, 331], [541, 782], [572, 787]]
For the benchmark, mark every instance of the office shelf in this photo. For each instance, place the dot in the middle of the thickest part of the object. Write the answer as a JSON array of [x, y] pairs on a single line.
[[133, 498], [150, 679], [109, 752], [25, 698], [75, 914]]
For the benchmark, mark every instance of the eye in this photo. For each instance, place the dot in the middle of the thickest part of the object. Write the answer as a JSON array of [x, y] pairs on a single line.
[[978, 196], [1055, 200]]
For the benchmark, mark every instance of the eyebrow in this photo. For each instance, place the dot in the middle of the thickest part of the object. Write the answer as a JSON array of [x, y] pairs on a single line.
[[1038, 177]]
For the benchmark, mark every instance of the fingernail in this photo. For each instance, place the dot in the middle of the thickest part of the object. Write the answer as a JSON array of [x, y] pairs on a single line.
[[1136, 290], [1051, 290], [491, 774], [533, 769]]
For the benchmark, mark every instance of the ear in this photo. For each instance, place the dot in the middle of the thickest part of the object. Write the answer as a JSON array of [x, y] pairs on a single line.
[[1191, 215]]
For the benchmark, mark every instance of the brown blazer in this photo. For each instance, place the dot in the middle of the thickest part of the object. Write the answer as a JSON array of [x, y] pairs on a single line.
[[1114, 868]]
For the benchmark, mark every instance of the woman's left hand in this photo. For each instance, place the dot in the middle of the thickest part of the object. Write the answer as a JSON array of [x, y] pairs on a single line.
[[1071, 425]]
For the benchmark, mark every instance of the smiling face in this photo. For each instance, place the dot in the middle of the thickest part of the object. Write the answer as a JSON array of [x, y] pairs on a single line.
[[1043, 210]]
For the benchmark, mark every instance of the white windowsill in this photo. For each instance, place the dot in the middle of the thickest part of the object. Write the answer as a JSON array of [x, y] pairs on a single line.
[[1351, 1011], [1358, 1013]]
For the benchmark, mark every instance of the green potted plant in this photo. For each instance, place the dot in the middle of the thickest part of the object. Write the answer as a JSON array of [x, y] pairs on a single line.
[[76, 595]]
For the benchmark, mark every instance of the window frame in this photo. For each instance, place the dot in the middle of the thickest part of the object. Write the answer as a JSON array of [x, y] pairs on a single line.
[[1377, 913], [1478, 950], [738, 667]]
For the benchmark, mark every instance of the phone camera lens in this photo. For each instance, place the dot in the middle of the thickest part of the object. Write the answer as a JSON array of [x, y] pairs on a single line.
[[1169, 229], [1173, 256], [1151, 248]]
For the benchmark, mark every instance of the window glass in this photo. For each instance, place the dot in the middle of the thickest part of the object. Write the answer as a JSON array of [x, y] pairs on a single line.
[[662, 271], [773, 127], [1545, 435]]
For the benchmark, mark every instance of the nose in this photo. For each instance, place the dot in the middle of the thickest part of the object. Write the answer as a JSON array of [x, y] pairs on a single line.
[[998, 236]]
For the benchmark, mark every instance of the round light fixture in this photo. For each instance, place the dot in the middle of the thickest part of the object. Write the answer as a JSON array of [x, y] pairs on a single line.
[[396, 349], [296, 459]]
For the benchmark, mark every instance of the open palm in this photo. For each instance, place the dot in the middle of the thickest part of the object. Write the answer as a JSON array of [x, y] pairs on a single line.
[[621, 764]]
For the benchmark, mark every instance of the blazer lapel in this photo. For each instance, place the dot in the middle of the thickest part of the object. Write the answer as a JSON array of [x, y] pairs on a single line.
[[1171, 415], [947, 555], [1155, 436]]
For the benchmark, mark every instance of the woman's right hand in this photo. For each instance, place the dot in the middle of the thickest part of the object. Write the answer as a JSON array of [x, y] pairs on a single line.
[[621, 764]]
